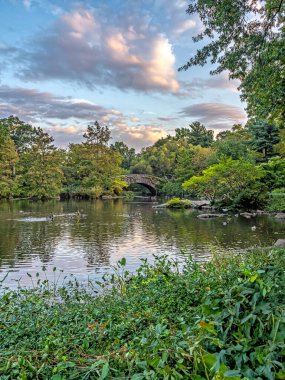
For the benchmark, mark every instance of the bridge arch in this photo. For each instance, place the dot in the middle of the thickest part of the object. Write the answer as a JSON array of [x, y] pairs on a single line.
[[146, 180]]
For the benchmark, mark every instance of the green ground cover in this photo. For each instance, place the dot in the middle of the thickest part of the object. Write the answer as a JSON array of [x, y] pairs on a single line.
[[221, 320]]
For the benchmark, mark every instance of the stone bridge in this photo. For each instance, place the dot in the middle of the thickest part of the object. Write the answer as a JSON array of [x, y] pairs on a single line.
[[146, 180]]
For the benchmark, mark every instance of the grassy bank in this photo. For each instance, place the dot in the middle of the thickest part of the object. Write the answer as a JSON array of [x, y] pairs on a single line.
[[220, 320]]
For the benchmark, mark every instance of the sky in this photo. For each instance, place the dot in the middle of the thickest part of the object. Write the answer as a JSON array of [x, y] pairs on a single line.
[[66, 63]]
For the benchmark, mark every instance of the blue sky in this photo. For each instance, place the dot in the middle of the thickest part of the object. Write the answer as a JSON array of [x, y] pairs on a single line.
[[64, 64]]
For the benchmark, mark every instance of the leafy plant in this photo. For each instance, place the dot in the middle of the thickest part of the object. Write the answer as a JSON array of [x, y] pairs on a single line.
[[178, 203], [224, 319]]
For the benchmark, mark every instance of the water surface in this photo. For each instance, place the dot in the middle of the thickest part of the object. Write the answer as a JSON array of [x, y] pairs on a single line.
[[86, 238]]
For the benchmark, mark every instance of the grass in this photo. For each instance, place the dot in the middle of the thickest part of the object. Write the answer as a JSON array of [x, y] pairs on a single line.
[[178, 203], [221, 320]]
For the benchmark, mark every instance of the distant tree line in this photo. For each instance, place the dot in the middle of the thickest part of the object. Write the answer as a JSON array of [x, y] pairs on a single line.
[[241, 167]]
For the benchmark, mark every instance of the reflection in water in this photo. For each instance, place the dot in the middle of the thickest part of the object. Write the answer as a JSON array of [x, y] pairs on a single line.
[[85, 238]]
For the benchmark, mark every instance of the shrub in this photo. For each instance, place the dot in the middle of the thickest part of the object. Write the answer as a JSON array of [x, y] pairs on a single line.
[[219, 320], [277, 200], [178, 203]]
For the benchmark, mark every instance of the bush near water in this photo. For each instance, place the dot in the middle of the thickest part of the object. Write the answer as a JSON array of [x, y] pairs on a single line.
[[224, 319]]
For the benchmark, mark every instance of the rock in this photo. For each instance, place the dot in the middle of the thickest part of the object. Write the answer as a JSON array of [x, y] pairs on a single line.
[[200, 204], [111, 197], [280, 215], [206, 207], [225, 209], [261, 212], [280, 243], [210, 216], [248, 215], [162, 205]]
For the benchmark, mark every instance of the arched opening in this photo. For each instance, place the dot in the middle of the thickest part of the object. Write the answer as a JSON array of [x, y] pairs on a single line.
[[139, 186]]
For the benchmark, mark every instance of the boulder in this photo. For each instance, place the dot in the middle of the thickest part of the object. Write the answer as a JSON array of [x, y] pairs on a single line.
[[162, 205], [248, 215], [210, 216], [280, 243], [200, 204], [206, 207], [280, 215]]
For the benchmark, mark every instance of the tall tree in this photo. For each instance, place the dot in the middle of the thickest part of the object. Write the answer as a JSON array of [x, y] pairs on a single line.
[[235, 144], [91, 169], [264, 136], [41, 172], [127, 153], [96, 134], [23, 134], [245, 37], [196, 134], [8, 159]]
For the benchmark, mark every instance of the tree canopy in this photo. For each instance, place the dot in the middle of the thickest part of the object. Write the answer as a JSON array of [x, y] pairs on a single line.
[[246, 38]]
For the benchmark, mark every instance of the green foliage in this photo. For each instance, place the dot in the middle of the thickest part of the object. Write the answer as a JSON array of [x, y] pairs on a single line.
[[265, 136], [225, 180], [234, 143], [280, 147], [192, 160], [218, 320], [247, 39], [161, 158], [252, 197], [8, 160], [178, 203], [171, 188], [274, 172], [196, 135], [277, 200], [127, 153], [118, 185], [40, 168], [141, 167], [95, 134], [23, 134], [89, 167]]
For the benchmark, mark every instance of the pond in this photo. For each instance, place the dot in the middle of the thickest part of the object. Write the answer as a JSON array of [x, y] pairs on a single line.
[[86, 238]]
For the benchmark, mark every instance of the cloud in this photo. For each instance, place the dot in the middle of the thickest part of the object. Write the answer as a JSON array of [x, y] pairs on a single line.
[[34, 106], [184, 26], [167, 118], [214, 115], [67, 118], [220, 82], [86, 48], [139, 136], [27, 3]]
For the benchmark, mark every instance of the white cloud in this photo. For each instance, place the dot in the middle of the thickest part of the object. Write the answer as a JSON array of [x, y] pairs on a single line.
[[84, 48]]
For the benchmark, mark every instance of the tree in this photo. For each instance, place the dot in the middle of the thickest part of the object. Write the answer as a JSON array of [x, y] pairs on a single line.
[[196, 135], [8, 159], [280, 147], [235, 144], [21, 133], [264, 136], [247, 39], [274, 173], [97, 135], [91, 170], [160, 159], [40, 169], [225, 180], [127, 153], [192, 161]]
